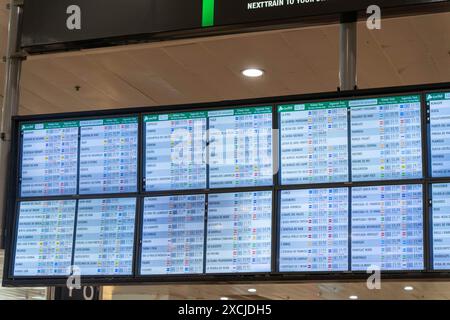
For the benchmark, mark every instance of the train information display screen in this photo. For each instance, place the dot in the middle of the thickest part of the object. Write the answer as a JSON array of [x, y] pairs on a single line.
[[441, 226], [240, 148], [314, 230], [386, 138], [108, 155], [387, 228], [44, 238], [439, 130], [104, 241], [49, 161], [314, 143], [175, 151], [324, 188], [173, 235], [239, 232]]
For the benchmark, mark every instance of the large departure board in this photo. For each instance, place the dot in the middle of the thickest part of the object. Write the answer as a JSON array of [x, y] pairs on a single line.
[[240, 148], [105, 236], [239, 232], [108, 155], [327, 187], [49, 161], [386, 138], [44, 238], [314, 142], [173, 235], [175, 151], [441, 226], [439, 129], [314, 230], [387, 228]]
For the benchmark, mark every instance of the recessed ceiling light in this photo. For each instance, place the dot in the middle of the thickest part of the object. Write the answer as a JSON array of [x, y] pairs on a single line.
[[353, 297], [408, 288], [224, 298], [252, 290], [252, 72]]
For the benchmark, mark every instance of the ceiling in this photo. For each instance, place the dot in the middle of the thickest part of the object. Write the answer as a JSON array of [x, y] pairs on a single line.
[[298, 291], [408, 50]]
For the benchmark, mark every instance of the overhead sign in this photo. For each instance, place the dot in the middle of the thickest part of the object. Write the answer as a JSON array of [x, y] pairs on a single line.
[[245, 11], [50, 25]]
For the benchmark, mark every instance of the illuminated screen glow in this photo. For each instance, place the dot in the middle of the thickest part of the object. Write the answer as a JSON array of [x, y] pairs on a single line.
[[240, 150], [387, 228], [173, 235], [104, 241], [314, 230], [108, 155], [49, 159], [44, 238], [175, 151]]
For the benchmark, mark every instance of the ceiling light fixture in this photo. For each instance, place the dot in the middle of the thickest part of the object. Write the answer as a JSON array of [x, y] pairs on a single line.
[[253, 72], [353, 297], [224, 298], [408, 288], [251, 290]]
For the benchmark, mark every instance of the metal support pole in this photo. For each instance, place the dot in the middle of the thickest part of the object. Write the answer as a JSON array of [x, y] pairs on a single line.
[[347, 51], [10, 103]]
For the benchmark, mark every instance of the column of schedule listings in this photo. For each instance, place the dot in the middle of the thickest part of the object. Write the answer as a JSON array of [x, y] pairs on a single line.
[[45, 238], [386, 138], [49, 159], [314, 230], [240, 152], [441, 226], [439, 104], [175, 151], [387, 228], [314, 143], [104, 242], [173, 235], [239, 232]]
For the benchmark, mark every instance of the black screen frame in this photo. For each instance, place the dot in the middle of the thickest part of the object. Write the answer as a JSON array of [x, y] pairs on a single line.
[[274, 275]]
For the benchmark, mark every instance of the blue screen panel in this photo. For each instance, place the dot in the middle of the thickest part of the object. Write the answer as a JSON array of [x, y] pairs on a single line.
[[108, 156], [387, 228], [441, 226], [105, 236], [239, 232], [44, 238], [314, 233], [314, 143], [439, 106], [386, 138], [49, 159], [240, 149], [173, 235], [175, 151]]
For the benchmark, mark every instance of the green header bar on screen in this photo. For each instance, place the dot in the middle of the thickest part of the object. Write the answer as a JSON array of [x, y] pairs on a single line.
[[240, 112], [108, 121], [50, 125], [174, 116]]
